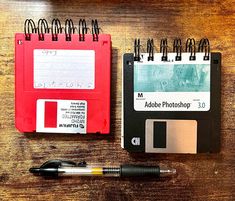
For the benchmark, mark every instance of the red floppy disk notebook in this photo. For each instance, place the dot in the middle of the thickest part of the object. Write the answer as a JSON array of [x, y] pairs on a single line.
[[62, 83]]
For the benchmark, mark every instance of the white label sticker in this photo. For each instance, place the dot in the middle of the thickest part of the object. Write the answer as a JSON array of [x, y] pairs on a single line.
[[61, 116], [172, 101], [172, 85], [64, 69]]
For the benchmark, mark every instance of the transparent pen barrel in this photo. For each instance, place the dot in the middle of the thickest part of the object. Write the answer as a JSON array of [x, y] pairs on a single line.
[[89, 171]]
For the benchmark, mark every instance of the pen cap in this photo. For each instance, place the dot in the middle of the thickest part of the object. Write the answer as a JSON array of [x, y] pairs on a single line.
[[138, 170]]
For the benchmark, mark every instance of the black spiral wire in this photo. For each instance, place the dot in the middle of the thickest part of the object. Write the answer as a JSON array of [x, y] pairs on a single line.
[[69, 29], [191, 47], [150, 49], [43, 28], [29, 28], [204, 46], [163, 49], [137, 50], [82, 29], [177, 48], [95, 30], [56, 29]]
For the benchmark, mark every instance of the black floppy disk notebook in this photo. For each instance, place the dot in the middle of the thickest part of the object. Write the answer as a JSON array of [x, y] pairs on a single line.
[[171, 99]]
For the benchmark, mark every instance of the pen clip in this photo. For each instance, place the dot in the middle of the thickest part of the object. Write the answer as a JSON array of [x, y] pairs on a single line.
[[58, 163], [82, 164]]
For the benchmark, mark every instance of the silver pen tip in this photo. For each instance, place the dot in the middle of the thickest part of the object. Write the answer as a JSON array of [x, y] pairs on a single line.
[[167, 172]]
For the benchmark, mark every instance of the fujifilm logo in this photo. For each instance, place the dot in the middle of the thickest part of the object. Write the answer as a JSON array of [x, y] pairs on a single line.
[[135, 141]]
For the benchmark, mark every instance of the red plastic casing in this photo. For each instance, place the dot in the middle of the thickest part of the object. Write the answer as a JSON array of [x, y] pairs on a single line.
[[26, 96]]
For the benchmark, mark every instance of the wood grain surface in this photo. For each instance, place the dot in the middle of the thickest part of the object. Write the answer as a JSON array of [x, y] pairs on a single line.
[[200, 177]]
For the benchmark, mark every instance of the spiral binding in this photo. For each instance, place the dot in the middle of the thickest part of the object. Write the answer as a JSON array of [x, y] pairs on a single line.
[[95, 29], [69, 29], [191, 47], [55, 29], [82, 29], [42, 28], [150, 49], [177, 47], [204, 45], [29, 28], [137, 50], [163, 49]]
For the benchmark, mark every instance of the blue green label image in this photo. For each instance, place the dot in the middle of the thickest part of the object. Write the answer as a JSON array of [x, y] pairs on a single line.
[[172, 78]]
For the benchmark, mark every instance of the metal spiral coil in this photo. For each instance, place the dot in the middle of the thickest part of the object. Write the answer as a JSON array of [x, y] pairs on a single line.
[[56, 29], [137, 50], [150, 49], [43, 28], [163, 49], [95, 30], [29, 28], [204, 46], [82, 29], [177, 47], [191, 47], [69, 29]]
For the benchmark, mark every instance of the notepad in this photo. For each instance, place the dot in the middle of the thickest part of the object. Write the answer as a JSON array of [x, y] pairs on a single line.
[[171, 100], [62, 78]]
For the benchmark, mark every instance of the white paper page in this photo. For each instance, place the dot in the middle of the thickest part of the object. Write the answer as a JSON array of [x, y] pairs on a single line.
[[64, 69]]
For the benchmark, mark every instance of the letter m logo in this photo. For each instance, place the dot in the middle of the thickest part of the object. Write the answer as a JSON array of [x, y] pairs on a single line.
[[140, 95]]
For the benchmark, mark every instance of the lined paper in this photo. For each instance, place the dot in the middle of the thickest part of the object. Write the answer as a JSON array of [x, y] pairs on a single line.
[[64, 69]]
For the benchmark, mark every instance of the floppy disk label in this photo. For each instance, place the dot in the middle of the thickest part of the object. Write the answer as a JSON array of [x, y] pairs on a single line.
[[171, 87], [64, 69], [61, 116]]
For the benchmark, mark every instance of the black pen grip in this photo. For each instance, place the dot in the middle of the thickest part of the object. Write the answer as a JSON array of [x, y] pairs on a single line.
[[138, 170]]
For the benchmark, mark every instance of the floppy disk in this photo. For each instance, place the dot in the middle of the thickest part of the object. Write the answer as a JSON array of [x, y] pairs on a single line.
[[62, 85], [170, 105]]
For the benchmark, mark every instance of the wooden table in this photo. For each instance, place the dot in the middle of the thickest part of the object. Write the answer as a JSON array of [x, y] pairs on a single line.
[[200, 177]]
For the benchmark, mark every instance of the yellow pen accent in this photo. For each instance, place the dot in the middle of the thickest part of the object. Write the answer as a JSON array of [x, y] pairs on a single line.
[[97, 171]]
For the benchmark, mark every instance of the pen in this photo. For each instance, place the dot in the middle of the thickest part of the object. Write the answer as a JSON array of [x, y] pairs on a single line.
[[55, 168]]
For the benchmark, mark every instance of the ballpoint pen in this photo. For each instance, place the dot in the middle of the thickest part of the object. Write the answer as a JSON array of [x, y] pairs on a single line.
[[55, 168]]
